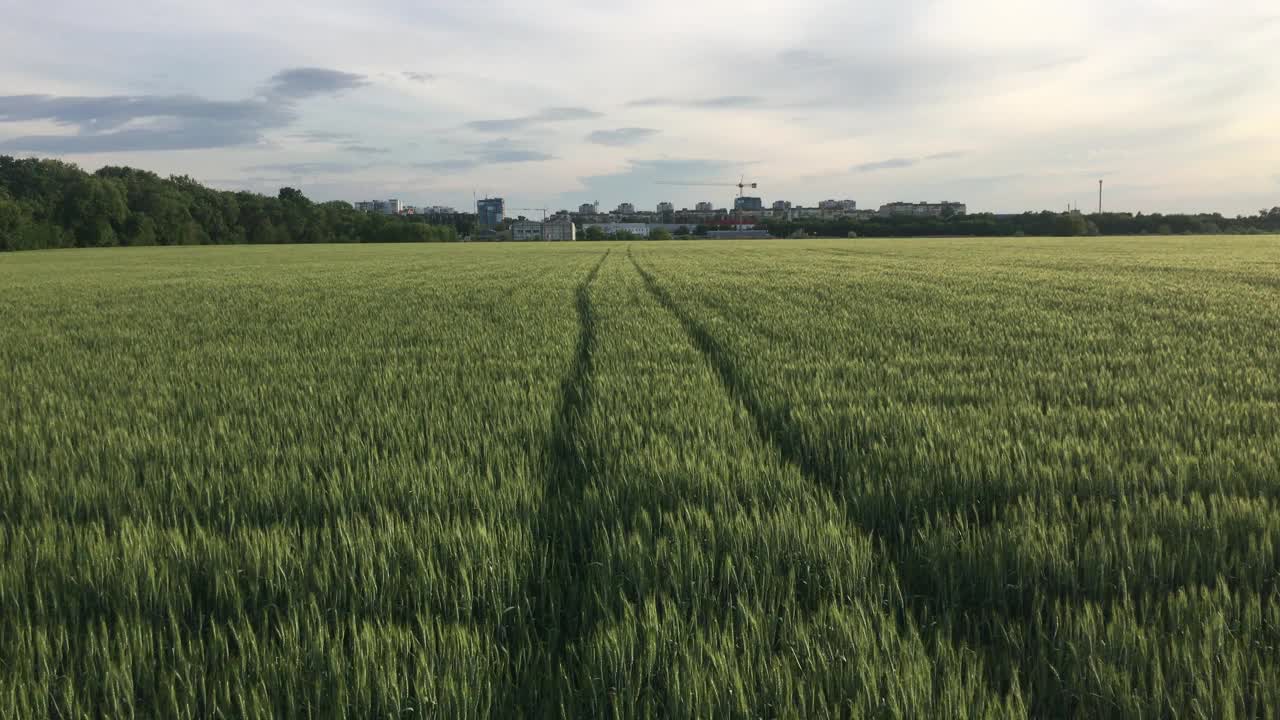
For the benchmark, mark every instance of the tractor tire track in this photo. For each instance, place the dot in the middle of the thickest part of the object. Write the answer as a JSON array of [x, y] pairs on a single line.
[[540, 634], [775, 431]]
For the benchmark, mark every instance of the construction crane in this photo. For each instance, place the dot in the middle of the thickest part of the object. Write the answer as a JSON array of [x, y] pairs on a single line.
[[742, 186]]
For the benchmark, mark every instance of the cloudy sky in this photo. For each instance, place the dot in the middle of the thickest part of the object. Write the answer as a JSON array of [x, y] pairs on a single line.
[[1005, 104]]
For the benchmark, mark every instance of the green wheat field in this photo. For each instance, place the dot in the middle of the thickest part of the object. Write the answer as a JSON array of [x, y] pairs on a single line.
[[803, 479]]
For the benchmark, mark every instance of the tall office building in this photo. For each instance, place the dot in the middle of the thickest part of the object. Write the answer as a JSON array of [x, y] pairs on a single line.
[[491, 212]]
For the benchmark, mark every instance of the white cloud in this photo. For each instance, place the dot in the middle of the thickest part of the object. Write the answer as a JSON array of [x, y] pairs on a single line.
[[1172, 99], [621, 137]]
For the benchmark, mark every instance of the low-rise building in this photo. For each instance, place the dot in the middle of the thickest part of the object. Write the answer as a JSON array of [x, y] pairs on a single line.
[[838, 206], [801, 213], [525, 230], [384, 207], [923, 209], [637, 229], [559, 228]]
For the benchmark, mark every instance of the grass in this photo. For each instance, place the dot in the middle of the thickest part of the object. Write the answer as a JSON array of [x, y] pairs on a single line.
[[955, 478]]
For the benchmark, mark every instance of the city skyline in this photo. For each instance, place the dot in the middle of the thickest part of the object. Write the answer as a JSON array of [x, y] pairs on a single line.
[[1170, 102]]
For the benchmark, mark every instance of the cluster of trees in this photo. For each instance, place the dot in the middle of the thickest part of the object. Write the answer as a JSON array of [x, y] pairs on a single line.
[[52, 204], [1033, 224]]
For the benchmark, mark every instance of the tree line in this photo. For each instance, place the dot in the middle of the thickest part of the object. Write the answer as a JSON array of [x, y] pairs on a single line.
[[1041, 224], [53, 204], [1033, 224]]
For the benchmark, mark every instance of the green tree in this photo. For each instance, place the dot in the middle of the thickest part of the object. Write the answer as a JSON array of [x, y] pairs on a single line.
[[265, 232], [659, 234], [216, 213], [13, 222], [163, 201], [593, 233], [1070, 225], [93, 208]]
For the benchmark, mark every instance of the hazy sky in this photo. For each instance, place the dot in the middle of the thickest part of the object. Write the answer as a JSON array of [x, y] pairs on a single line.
[[1005, 104]]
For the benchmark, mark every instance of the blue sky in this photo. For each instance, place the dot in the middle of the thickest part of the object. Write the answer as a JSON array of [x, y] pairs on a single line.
[[1007, 105]]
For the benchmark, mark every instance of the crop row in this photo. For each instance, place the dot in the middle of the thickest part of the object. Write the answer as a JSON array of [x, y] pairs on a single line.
[[889, 479]]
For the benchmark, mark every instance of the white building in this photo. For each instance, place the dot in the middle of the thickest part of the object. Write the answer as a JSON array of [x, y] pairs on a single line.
[[637, 229], [559, 228]]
